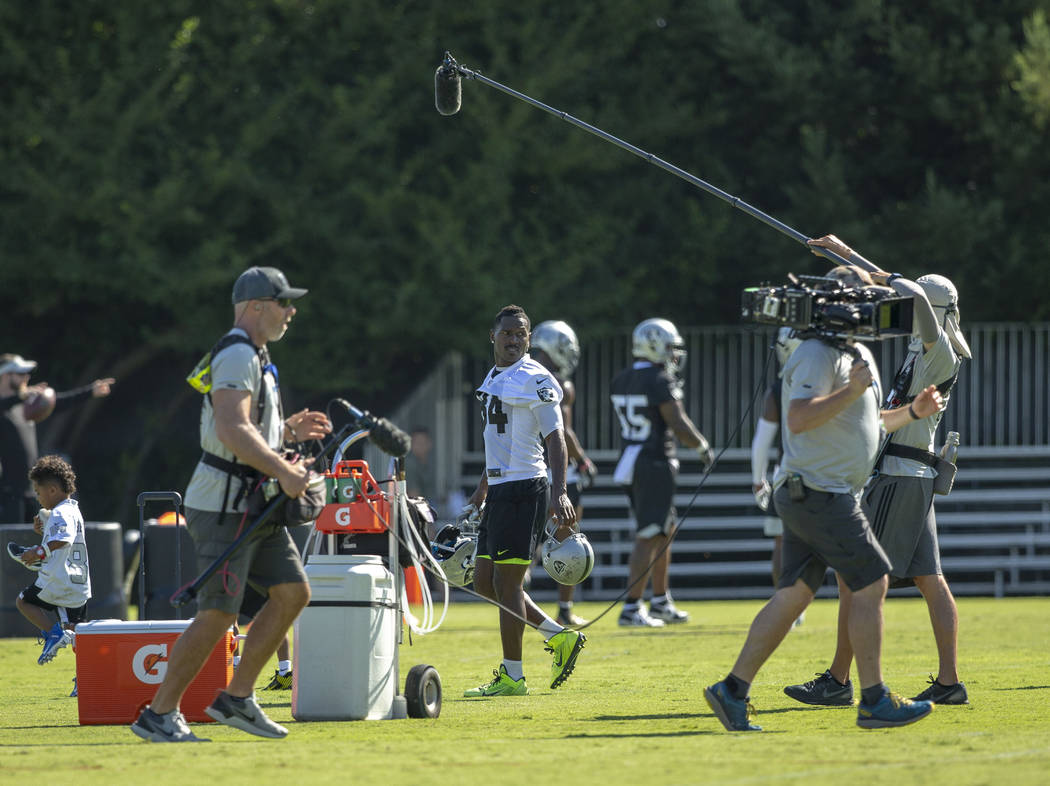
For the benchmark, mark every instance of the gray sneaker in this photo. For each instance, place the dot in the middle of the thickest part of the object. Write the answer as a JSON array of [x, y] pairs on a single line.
[[824, 691], [244, 714], [169, 727]]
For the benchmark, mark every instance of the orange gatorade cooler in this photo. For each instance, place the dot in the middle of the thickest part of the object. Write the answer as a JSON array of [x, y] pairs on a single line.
[[120, 664]]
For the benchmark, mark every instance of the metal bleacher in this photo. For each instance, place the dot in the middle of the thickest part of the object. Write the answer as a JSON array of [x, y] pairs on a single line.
[[994, 530]]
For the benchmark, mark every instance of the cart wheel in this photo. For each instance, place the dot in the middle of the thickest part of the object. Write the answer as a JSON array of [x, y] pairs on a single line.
[[423, 692]]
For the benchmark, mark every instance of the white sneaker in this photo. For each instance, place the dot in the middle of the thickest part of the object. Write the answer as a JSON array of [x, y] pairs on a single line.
[[669, 613], [798, 622], [639, 618]]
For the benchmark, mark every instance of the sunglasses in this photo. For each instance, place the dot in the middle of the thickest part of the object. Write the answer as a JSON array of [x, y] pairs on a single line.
[[283, 302]]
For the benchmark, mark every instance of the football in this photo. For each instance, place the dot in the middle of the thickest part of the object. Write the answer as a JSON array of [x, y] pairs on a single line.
[[39, 404]]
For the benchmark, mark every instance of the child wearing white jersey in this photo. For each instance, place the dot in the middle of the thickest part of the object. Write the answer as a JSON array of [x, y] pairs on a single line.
[[63, 586]]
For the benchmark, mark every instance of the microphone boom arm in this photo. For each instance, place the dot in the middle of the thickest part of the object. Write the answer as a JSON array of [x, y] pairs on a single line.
[[467, 73]]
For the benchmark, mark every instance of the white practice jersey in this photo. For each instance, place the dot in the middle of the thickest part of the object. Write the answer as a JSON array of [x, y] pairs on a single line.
[[520, 406], [64, 579]]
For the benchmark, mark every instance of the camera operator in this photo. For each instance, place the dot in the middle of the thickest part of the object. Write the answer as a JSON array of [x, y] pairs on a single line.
[[831, 406], [899, 500]]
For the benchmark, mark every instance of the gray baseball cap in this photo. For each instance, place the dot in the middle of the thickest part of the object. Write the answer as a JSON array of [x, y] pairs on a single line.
[[260, 283]]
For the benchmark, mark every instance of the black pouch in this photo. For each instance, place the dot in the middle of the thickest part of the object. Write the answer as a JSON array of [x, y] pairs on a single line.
[[796, 489], [294, 512], [945, 479]]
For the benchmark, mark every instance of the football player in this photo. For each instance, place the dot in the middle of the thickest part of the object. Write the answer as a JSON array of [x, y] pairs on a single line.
[[520, 406], [554, 344], [647, 398]]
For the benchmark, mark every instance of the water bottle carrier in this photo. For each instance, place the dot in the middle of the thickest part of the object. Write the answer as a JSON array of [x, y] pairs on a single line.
[[358, 504]]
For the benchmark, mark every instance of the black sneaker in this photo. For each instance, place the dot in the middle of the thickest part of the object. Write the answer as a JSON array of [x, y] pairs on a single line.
[[244, 714], [169, 727], [944, 694], [825, 691]]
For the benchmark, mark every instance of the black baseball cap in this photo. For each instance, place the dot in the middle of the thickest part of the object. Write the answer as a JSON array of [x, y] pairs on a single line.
[[260, 283]]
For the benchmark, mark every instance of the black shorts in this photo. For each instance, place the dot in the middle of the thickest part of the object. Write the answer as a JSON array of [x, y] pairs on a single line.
[[827, 530], [251, 604], [31, 595], [573, 492], [651, 495], [515, 513]]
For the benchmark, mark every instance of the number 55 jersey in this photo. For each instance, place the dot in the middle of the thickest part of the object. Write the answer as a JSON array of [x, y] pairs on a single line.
[[520, 406], [637, 394]]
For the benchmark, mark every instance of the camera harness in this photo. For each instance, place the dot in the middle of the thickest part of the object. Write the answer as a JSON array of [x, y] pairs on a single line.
[[247, 474]]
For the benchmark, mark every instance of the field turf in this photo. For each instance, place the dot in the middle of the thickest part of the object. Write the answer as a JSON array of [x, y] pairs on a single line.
[[632, 713]]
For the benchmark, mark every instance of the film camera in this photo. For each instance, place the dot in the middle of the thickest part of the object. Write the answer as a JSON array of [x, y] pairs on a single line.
[[819, 306]]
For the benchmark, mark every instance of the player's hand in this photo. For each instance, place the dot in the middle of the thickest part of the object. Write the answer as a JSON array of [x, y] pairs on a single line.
[[707, 456], [306, 425], [763, 492], [561, 510], [588, 472]]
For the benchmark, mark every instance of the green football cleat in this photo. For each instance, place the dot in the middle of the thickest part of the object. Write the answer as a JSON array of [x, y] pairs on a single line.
[[565, 647], [280, 681], [501, 685]]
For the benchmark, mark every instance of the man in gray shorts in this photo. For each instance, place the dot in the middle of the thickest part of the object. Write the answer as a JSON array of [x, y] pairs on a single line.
[[833, 425], [899, 500], [242, 432]]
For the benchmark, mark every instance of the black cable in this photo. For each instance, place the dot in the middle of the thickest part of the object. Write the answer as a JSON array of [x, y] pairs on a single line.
[[670, 537]]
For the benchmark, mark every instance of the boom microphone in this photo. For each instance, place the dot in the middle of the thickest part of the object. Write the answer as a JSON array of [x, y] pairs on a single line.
[[384, 434], [448, 89], [448, 97]]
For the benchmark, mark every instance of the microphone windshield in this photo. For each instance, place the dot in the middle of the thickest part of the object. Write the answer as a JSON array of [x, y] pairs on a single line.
[[448, 90]]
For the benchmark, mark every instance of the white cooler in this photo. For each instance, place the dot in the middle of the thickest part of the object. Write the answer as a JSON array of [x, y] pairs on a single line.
[[345, 648]]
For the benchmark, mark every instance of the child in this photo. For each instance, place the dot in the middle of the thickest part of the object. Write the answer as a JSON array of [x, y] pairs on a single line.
[[64, 584]]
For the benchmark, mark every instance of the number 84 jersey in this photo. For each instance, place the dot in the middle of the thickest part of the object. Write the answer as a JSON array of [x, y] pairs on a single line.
[[520, 406]]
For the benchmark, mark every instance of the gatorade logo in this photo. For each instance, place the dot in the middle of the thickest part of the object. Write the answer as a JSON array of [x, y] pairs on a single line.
[[150, 663], [342, 516]]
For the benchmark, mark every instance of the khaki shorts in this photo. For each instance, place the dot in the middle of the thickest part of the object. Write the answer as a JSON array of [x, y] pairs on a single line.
[[269, 557]]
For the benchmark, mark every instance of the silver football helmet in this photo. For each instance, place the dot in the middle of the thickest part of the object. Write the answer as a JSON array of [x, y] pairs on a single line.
[[569, 561], [559, 341], [659, 341], [456, 551]]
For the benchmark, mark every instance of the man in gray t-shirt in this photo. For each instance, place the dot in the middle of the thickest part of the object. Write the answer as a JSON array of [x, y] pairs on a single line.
[[242, 432], [833, 423], [899, 500]]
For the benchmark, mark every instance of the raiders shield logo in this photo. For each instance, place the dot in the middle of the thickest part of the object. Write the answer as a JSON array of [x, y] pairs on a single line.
[[545, 394]]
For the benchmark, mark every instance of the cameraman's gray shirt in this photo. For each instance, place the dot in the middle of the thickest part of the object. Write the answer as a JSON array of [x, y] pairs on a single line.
[[838, 455]]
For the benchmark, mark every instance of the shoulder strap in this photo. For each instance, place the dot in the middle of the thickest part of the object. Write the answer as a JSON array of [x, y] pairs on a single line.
[[264, 360]]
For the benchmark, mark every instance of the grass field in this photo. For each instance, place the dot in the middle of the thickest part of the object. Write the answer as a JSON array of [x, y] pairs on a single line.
[[632, 713]]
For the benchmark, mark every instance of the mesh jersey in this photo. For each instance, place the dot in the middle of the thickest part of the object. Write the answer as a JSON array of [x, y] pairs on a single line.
[[64, 579], [515, 403], [637, 394]]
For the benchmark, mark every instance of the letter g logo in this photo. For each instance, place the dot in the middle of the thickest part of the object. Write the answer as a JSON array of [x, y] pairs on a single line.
[[342, 516], [150, 663]]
